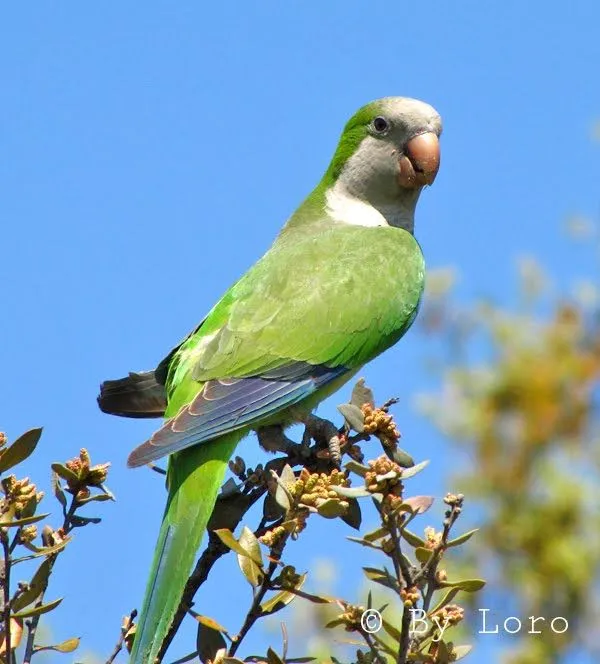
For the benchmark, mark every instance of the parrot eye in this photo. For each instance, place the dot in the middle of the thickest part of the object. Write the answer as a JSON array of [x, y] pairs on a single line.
[[380, 125]]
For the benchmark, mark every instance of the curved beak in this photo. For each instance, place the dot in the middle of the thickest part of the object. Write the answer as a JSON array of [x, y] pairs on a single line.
[[420, 162]]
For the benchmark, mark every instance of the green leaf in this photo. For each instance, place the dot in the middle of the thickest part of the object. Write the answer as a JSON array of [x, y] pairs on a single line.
[[38, 610], [422, 554], [36, 587], [97, 497], [353, 515], [418, 504], [208, 642], [331, 509], [351, 492], [287, 474], [401, 457], [461, 651], [357, 468], [468, 585], [364, 542], [413, 470], [353, 415], [30, 508], [57, 490], [383, 577], [62, 471], [20, 449], [412, 539], [361, 394], [443, 656], [23, 521], [273, 657], [461, 539], [226, 536], [282, 494], [419, 657], [47, 550], [281, 599], [253, 573], [446, 599], [208, 622], [390, 475], [79, 521], [271, 508], [251, 546], [377, 534], [69, 645], [277, 602], [391, 630], [334, 623]]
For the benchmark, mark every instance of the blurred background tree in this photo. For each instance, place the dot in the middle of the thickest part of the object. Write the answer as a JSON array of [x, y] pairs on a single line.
[[520, 393]]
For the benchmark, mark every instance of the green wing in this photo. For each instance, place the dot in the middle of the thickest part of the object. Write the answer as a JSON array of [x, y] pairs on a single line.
[[311, 310], [337, 297]]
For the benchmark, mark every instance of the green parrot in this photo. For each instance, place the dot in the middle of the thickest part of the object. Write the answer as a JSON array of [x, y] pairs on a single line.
[[341, 283]]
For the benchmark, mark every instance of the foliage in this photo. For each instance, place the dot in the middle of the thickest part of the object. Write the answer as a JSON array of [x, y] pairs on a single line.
[[23, 603], [520, 395], [424, 595]]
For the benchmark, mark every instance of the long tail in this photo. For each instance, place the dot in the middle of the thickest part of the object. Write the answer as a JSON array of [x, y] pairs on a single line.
[[195, 476]]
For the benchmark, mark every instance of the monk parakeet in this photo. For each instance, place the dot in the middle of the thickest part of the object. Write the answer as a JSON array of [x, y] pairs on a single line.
[[341, 283]]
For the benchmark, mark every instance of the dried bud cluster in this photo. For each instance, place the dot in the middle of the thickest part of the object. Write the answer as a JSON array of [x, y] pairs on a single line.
[[365, 657], [451, 614], [274, 537], [351, 617], [237, 466], [18, 496], [384, 477], [432, 538], [455, 502], [313, 489], [289, 578], [380, 423], [256, 476], [410, 596], [27, 534], [309, 492], [84, 475]]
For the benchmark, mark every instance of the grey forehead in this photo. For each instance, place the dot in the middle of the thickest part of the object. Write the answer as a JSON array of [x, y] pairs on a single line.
[[411, 112]]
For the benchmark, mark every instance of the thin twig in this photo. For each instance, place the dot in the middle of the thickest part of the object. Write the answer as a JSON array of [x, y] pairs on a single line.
[[6, 594], [127, 624], [255, 610], [369, 641], [32, 624], [405, 580]]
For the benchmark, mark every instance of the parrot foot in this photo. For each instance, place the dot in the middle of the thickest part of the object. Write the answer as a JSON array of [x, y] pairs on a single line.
[[272, 439], [324, 432]]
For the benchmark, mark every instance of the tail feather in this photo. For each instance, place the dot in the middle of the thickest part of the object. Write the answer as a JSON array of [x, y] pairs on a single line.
[[195, 477], [137, 395]]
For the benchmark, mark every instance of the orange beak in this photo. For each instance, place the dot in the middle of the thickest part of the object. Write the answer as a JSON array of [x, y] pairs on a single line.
[[420, 162]]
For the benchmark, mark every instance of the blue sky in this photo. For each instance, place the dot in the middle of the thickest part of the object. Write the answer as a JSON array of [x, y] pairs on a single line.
[[150, 152]]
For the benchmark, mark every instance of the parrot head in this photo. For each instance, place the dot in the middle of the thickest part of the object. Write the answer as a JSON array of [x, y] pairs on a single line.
[[389, 150]]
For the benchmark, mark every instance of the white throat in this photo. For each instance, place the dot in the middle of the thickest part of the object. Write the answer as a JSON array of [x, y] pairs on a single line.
[[346, 208]]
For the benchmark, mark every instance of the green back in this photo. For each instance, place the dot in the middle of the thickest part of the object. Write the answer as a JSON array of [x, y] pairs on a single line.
[[332, 294]]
